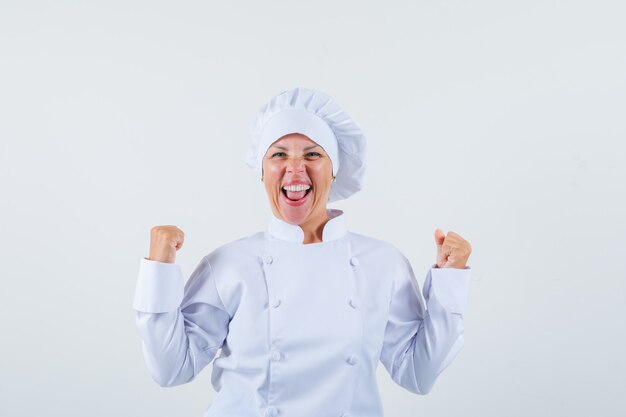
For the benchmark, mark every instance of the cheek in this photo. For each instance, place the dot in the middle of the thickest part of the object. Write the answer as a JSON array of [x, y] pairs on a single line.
[[271, 177], [322, 176], [271, 166]]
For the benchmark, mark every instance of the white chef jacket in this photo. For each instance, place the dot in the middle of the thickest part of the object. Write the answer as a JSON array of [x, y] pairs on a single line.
[[298, 329]]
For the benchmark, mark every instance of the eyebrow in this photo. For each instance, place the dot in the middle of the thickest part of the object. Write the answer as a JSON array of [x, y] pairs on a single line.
[[282, 148]]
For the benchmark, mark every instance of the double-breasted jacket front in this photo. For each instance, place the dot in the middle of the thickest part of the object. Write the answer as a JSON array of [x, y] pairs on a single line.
[[298, 329]]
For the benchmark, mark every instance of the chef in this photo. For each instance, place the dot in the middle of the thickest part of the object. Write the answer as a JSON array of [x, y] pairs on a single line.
[[295, 318]]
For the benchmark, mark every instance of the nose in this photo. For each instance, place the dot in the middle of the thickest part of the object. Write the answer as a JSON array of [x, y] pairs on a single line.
[[295, 165]]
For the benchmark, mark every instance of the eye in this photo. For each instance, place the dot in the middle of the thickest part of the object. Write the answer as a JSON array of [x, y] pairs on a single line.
[[278, 154], [313, 154]]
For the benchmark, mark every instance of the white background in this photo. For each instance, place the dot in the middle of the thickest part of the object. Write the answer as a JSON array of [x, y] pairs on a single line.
[[501, 121]]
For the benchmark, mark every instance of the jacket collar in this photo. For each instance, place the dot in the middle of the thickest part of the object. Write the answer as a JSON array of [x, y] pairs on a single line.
[[335, 228]]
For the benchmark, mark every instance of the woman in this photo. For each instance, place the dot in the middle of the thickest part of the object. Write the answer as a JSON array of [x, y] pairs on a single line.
[[297, 317]]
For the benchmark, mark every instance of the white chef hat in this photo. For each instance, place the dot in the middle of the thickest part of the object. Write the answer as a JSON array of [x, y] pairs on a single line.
[[315, 115]]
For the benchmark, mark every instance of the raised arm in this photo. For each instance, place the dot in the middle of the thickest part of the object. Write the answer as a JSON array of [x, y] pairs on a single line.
[[181, 326], [419, 343]]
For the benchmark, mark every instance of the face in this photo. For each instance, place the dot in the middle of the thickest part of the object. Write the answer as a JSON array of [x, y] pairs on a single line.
[[297, 174]]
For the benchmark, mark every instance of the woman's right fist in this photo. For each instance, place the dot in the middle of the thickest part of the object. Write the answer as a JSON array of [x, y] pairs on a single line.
[[164, 242]]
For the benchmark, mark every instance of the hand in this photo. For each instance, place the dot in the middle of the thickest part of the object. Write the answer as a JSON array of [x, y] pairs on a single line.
[[164, 242], [452, 250]]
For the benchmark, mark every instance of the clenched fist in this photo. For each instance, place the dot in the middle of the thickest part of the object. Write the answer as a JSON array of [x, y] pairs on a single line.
[[452, 250], [164, 242]]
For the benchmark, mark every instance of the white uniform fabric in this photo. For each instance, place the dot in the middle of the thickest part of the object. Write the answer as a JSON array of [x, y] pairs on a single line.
[[298, 329]]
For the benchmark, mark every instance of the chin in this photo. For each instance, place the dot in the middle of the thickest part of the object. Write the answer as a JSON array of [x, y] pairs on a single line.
[[294, 216]]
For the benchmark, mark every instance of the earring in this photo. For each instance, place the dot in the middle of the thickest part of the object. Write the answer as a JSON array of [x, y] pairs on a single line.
[[334, 178], [261, 178]]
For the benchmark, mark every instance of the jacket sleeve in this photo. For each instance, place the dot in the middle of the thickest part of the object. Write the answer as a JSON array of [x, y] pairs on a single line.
[[420, 343], [181, 326]]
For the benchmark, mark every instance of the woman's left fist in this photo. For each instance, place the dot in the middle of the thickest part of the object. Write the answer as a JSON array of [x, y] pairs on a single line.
[[452, 250]]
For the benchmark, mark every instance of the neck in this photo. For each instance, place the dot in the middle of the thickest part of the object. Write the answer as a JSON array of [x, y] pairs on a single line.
[[314, 228]]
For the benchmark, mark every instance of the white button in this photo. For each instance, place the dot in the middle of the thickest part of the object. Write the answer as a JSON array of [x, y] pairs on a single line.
[[275, 303], [354, 261], [268, 260], [271, 412], [354, 303], [353, 360], [275, 355]]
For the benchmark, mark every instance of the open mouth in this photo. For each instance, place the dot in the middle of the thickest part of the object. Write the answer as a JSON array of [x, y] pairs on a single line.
[[296, 192]]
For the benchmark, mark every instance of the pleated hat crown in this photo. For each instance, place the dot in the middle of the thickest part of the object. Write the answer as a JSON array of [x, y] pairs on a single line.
[[317, 116]]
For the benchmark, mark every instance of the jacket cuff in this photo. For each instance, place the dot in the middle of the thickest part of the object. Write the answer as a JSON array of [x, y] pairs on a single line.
[[450, 286], [160, 287]]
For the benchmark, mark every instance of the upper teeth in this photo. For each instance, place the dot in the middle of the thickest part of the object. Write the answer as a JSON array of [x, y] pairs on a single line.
[[296, 187]]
